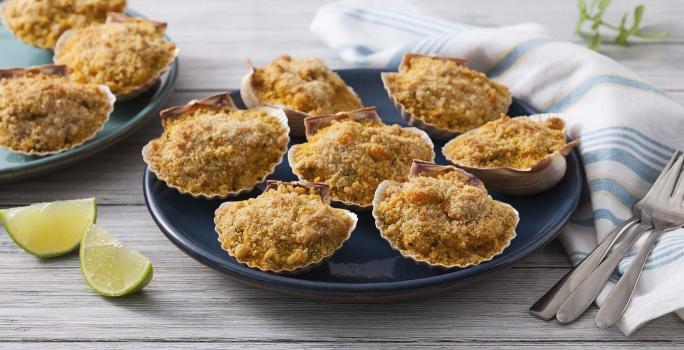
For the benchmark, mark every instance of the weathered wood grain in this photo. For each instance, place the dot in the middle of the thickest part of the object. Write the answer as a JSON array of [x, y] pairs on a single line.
[[45, 304]]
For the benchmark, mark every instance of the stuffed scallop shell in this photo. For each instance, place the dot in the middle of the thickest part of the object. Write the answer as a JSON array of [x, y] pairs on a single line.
[[301, 87], [40, 23], [211, 149], [518, 156], [292, 227], [42, 112], [354, 151], [130, 60], [443, 217], [444, 97]]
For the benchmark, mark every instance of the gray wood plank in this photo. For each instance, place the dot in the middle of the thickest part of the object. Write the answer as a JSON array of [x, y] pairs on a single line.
[[45, 304]]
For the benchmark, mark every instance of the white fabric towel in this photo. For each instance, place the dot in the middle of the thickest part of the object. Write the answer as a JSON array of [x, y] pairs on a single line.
[[627, 128]]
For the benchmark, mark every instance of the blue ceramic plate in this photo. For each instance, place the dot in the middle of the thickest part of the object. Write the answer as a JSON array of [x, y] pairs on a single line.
[[127, 115], [366, 267]]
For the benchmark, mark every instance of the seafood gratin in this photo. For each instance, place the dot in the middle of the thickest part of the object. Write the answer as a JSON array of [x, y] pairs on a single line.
[[289, 228]]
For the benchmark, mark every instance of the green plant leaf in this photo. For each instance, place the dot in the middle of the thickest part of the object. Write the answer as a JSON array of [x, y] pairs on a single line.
[[638, 14], [595, 41]]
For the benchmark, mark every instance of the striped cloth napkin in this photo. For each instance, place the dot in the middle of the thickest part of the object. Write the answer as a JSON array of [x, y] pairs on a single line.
[[627, 128]]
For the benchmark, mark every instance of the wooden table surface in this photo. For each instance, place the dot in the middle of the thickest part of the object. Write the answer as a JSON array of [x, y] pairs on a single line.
[[45, 304]]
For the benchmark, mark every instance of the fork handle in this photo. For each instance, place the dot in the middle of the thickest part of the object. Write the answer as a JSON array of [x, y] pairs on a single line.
[[618, 299], [580, 299], [547, 306]]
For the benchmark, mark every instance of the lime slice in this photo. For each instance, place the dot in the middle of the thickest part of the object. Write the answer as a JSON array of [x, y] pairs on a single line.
[[109, 268], [49, 229]]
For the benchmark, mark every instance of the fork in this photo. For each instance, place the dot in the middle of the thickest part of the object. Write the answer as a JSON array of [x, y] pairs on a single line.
[[547, 306], [668, 214], [581, 298]]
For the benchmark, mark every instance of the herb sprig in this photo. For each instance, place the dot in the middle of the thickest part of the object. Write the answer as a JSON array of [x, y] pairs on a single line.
[[594, 15]]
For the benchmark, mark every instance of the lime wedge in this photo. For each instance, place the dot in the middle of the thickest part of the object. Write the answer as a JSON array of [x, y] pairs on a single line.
[[109, 268], [49, 229]]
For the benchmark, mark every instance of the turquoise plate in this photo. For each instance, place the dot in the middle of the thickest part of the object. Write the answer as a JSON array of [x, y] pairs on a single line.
[[126, 118]]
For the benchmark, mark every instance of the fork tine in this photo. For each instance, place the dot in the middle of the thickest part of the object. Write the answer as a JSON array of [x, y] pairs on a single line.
[[655, 187], [678, 194], [671, 179]]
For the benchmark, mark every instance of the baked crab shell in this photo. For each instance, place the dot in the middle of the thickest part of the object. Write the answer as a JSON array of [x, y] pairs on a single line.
[[216, 102], [324, 191], [251, 99], [315, 123], [419, 168], [115, 17], [432, 129], [59, 70], [542, 175]]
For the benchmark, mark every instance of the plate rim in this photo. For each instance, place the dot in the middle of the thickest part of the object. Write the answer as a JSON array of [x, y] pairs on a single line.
[[42, 165], [309, 288]]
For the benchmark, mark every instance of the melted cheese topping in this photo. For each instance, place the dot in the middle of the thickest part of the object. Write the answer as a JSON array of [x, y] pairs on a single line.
[[40, 23], [447, 94], [443, 221], [306, 85], [283, 229], [218, 152], [507, 142], [47, 113], [124, 56], [354, 157]]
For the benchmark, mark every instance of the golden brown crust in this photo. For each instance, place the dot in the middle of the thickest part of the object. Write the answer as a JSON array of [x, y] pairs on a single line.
[[40, 23], [444, 94], [46, 113], [287, 228], [218, 152], [305, 85], [439, 219], [313, 124], [323, 190], [354, 156], [133, 55], [217, 102], [48, 69], [423, 168], [517, 143]]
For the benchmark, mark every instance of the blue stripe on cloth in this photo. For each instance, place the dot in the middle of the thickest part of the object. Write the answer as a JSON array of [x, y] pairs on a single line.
[[615, 188], [404, 17], [642, 149], [361, 16], [658, 258], [628, 130], [515, 54], [589, 84], [674, 257], [640, 168], [361, 49], [608, 215]]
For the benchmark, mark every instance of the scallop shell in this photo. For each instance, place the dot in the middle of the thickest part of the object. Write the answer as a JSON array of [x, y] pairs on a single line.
[[417, 169], [114, 17], [324, 191], [313, 124], [54, 69], [219, 101], [541, 176], [251, 99], [432, 129]]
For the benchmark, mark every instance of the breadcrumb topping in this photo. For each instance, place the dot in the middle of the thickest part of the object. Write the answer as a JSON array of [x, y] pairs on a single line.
[[122, 55], [353, 157], [40, 23], [214, 152], [306, 85], [42, 113], [443, 221], [285, 228], [517, 143], [447, 94]]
